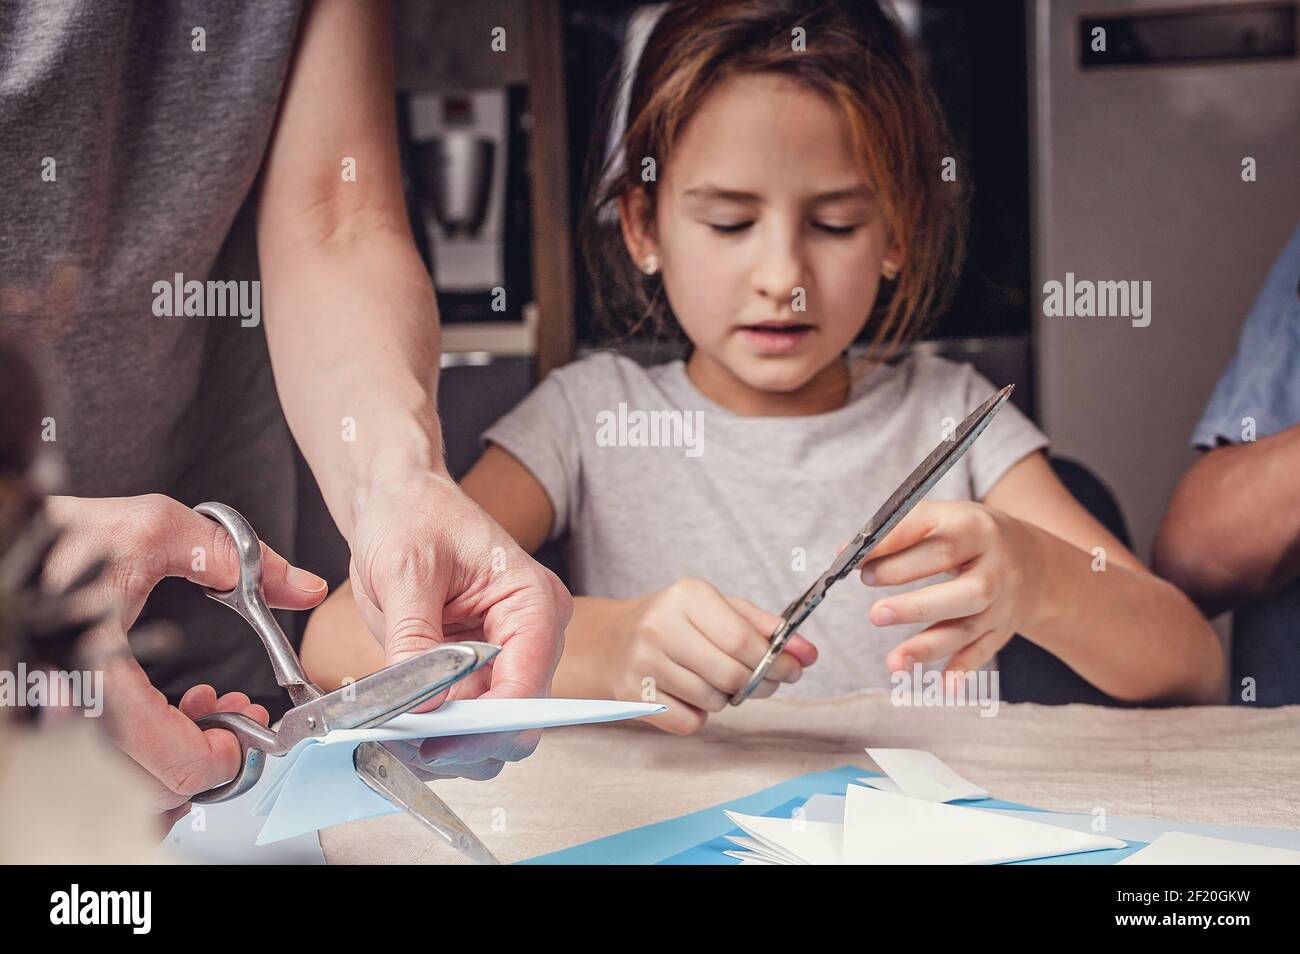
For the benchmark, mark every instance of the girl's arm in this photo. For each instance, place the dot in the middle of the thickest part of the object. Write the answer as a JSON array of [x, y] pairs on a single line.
[[1031, 560]]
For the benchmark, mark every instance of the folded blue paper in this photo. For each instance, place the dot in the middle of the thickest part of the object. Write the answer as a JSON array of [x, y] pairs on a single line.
[[315, 785]]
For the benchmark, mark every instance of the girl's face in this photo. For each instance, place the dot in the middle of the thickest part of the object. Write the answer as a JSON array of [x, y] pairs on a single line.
[[771, 244]]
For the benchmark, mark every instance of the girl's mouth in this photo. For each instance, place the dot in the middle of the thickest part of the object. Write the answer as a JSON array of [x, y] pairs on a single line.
[[776, 337]]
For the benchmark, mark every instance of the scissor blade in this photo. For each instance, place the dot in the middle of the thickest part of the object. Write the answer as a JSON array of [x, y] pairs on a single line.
[[381, 696], [918, 483], [384, 773]]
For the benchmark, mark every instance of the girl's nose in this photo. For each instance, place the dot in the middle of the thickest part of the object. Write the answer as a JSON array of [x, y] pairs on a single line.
[[779, 270]]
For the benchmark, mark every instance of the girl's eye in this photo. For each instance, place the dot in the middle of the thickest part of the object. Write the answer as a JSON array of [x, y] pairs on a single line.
[[731, 228], [835, 229]]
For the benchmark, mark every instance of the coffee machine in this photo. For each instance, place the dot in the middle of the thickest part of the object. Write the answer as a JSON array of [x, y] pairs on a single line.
[[464, 159]]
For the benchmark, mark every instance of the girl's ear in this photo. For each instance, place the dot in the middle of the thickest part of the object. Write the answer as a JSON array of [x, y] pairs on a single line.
[[638, 229], [894, 260]]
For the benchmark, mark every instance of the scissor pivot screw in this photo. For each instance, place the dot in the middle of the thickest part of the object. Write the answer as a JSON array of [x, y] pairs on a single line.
[[311, 722], [383, 771]]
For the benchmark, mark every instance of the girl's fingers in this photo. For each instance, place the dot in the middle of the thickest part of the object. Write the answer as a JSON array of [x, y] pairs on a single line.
[[912, 529], [689, 687], [682, 718], [976, 655], [967, 595], [802, 652], [937, 642], [738, 640], [937, 553], [764, 689], [695, 650]]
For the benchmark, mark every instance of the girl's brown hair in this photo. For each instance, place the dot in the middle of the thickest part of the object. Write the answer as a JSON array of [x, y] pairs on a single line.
[[853, 53]]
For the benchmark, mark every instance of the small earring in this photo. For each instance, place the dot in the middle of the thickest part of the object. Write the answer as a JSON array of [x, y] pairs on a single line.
[[889, 270], [650, 264]]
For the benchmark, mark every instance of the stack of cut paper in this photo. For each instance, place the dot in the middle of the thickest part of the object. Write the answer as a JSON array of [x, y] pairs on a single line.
[[315, 785], [904, 820]]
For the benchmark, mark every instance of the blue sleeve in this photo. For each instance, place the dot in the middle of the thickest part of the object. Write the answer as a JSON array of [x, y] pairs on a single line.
[[1263, 379]]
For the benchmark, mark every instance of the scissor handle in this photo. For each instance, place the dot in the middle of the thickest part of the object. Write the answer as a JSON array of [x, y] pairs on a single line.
[[248, 600], [256, 741]]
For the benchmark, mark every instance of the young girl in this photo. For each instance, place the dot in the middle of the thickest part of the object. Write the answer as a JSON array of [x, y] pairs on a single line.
[[779, 189]]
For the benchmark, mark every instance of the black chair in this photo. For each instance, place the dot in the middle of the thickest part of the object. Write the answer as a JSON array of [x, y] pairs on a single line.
[[1266, 650]]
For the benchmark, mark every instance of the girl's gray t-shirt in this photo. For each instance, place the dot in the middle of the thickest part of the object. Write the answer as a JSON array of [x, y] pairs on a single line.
[[651, 481]]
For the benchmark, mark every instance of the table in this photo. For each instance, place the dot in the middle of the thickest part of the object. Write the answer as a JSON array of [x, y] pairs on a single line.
[[1220, 764]]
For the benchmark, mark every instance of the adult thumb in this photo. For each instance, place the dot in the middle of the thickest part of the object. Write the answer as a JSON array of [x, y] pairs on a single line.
[[199, 549], [413, 625]]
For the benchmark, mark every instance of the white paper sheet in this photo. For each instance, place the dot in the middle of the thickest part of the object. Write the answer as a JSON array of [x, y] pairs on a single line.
[[809, 843], [885, 828], [752, 848], [877, 782], [881, 828], [1182, 848], [1149, 829], [315, 785], [827, 808], [922, 775]]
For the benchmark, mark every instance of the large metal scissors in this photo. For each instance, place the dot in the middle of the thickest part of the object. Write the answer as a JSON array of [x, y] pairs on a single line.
[[370, 701], [900, 502]]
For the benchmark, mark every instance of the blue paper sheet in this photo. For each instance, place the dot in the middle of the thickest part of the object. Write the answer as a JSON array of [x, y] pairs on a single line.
[[700, 837], [314, 786]]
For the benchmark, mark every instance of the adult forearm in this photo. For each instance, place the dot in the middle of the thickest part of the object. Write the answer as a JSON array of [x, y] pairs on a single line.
[[1232, 532], [1126, 631], [352, 327]]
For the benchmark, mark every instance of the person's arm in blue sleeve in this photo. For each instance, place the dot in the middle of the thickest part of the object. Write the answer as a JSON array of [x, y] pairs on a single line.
[[1232, 531]]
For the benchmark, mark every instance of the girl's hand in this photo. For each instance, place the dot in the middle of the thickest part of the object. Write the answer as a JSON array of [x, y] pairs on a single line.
[[992, 557], [691, 648]]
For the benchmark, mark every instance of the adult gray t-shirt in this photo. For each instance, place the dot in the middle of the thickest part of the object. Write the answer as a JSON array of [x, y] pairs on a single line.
[[128, 156], [758, 506]]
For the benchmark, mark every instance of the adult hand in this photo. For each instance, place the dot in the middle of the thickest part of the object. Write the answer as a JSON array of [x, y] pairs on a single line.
[[428, 566], [146, 539]]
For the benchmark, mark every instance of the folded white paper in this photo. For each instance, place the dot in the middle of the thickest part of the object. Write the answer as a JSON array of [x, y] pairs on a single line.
[[884, 828], [755, 849], [1182, 848], [802, 841], [880, 828], [826, 808], [921, 775], [879, 783], [315, 785]]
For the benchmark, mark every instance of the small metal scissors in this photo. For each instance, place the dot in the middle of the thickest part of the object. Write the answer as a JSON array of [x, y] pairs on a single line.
[[370, 701], [899, 504]]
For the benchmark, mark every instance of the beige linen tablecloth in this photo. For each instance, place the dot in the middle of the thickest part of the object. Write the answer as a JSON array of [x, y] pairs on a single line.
[[1222, 764]]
